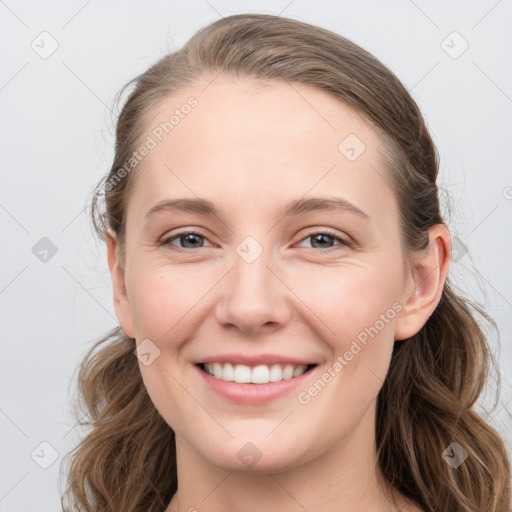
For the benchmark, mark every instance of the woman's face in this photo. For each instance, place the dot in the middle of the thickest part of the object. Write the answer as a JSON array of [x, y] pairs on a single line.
[[273, 279]]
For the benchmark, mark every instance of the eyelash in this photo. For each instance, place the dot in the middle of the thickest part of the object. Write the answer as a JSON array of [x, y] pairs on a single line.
[[343, 242]]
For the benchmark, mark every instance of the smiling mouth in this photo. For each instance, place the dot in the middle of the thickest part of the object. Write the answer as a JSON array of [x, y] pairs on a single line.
[[260, 374]]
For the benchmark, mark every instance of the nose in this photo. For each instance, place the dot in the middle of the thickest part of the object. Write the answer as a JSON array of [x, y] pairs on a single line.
[[254, 298]]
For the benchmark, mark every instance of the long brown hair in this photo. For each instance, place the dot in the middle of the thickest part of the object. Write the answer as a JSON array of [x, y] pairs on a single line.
[[126, 461]]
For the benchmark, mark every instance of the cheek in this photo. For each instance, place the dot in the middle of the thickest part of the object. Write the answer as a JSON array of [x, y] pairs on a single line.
[[163, 298], [360, 306], [351, 301]]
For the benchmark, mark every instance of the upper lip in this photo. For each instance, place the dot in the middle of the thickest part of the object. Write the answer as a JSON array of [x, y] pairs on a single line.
[[267, 359]]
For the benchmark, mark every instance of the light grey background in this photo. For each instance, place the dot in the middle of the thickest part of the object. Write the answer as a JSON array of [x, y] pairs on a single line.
[[57, 141]]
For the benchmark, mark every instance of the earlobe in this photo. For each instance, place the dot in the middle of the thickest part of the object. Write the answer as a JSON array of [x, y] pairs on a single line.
[[121, 302], [424, 289]]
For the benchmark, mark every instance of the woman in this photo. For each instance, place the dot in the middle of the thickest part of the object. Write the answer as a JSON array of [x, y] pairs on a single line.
[[288, 337]]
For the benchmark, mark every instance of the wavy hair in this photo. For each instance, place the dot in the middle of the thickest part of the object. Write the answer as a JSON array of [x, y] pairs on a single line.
[[126, 460]]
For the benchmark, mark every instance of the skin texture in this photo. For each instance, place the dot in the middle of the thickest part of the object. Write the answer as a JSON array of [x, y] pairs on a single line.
[[250, 147]]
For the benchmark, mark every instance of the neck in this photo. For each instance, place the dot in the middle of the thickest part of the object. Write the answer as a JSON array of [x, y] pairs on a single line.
[[345, 478]]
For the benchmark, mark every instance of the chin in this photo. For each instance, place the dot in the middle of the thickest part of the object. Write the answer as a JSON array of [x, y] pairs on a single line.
[[259, 457]]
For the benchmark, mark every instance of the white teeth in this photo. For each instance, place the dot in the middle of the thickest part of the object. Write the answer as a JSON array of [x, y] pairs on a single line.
[[262, 374], [217, 370], [228, 372], [299, 370], [276, 374], [288, 372], [242, 374]]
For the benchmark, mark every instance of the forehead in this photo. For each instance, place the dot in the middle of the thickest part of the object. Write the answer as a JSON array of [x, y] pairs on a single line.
[[251, 141]]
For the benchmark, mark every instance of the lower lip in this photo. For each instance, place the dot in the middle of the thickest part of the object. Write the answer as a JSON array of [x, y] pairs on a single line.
[[253, 393]]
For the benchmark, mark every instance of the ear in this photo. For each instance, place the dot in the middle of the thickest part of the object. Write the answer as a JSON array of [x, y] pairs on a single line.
[[121, 303], [424, 286]]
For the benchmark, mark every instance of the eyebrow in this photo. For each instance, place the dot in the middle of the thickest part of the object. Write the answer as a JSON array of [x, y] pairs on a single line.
[[293, 207]]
